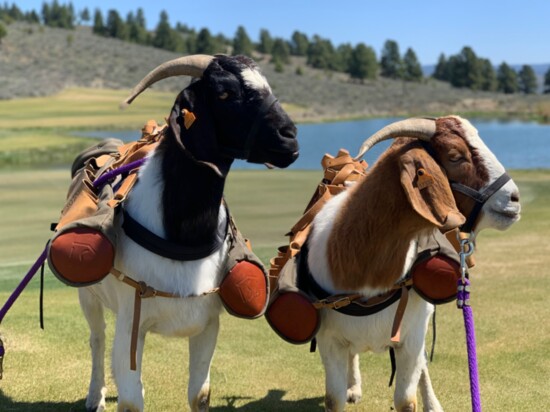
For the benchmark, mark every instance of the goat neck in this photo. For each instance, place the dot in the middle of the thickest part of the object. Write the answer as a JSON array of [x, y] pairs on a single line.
[[191, 196], [373, 230]]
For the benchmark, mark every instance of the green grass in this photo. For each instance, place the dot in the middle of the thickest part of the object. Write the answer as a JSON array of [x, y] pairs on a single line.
[[253, 369]]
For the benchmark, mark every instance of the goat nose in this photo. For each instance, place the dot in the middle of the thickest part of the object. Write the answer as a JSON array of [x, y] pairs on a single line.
[[288, 131]]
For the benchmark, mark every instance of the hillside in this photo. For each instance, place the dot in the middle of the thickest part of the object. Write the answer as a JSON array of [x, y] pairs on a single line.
[[38, 61]]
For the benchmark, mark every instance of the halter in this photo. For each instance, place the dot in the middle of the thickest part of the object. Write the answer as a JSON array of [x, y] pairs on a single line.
[[480, 197]]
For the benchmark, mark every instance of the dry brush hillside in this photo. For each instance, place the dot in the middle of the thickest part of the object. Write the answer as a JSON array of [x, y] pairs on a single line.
[[37, 61]]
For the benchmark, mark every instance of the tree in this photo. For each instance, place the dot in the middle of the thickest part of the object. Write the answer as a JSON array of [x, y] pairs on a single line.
[[507, 79], [390, 61], [412, 71], [547, 82], [441, 71], [363, 64], [242, 43], [99, 27], [343, 57], [115, 27], [165, 37], [205, 44], [3, 32], [136, 31], [527, 80], [488, 76], [465, 69], [320, 53], [280, 51], [299, 44], [266, 42], [140, 18], [85, 15]]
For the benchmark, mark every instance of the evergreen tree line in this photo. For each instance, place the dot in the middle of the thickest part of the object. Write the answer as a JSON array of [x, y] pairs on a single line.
[[467, 70], [463, 70]]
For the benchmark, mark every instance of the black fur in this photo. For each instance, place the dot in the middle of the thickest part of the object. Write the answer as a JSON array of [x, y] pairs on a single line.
[[196, 160]]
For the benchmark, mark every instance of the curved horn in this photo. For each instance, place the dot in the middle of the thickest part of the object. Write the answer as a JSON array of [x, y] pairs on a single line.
[[184, 66], [420, 128]]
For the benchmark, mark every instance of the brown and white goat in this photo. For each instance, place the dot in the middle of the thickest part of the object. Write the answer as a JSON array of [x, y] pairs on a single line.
[[364, 241], [178, 197]]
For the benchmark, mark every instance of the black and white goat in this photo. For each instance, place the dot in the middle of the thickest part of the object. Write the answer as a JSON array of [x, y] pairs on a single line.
[[178, 197], [363, 241]]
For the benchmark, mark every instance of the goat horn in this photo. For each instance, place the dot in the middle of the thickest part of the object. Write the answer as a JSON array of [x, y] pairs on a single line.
[[192, 66], [420, 128]]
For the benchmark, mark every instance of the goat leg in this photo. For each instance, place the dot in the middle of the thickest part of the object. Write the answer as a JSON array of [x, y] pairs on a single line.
[[354, 392], [201, 351], [92, 309]]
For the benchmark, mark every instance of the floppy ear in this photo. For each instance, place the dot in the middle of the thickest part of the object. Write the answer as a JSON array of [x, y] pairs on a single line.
[[428, 191]]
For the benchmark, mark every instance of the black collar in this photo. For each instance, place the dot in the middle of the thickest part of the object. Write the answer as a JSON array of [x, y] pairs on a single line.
[[165, 248], [309, 285]]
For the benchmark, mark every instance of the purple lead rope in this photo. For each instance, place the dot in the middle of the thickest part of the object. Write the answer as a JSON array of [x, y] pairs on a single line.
[[42, 258], [463, 298], [104, 178], [15, 294], [463, 302]]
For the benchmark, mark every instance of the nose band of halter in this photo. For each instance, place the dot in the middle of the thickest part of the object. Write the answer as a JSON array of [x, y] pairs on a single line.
[[252, 133], [480, 198]]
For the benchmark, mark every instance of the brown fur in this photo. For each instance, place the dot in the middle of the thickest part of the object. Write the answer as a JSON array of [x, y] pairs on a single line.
[[374, 228]]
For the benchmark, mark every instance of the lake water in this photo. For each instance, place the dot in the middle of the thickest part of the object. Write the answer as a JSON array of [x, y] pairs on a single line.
[[518, 145]]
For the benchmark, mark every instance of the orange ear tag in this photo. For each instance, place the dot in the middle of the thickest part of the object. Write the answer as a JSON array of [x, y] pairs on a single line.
[[424, 179], [188, 118]]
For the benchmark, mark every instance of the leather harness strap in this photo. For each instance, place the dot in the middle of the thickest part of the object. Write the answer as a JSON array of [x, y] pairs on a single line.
[[338, 171], [144, 291]]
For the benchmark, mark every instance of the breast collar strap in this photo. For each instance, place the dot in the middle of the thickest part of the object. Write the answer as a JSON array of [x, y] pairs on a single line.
[[480, 197], [252, 133], [165, 248], [352, 306]]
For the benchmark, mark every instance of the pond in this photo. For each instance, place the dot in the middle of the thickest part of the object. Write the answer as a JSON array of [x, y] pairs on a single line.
[[517, 144]]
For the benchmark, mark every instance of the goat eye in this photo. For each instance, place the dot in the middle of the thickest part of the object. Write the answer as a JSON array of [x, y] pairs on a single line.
[[455, 157], [223, 96]]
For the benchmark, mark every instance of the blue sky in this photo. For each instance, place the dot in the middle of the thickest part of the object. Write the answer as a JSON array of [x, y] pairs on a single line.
[[517, 32]]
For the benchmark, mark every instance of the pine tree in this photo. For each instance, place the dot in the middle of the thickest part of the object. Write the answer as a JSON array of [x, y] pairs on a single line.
[[507, 79], [3, 32], [547, 82], [165, 37], [320, 53], [527, 80], [441, 71], [242, 43], [266, 42], [363, 64], [205, 43], [465, 69], [488, 76], [115, 27], [99, 27], [343, 57], [85, 15], [390, 62], [299, 44], [412, 71], [280, 52]]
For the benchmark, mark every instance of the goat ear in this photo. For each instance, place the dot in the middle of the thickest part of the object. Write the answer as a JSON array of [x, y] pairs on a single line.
[[428, 191]]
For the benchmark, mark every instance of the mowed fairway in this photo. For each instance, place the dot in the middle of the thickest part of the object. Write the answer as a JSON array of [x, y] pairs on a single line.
[[254, 370]]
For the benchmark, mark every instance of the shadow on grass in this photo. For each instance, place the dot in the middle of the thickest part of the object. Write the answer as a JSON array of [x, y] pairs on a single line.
[[272, 402], [7, 404]]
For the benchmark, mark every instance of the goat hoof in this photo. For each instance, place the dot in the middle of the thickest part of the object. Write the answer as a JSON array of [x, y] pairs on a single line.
[[354, 395], [411, 407]]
